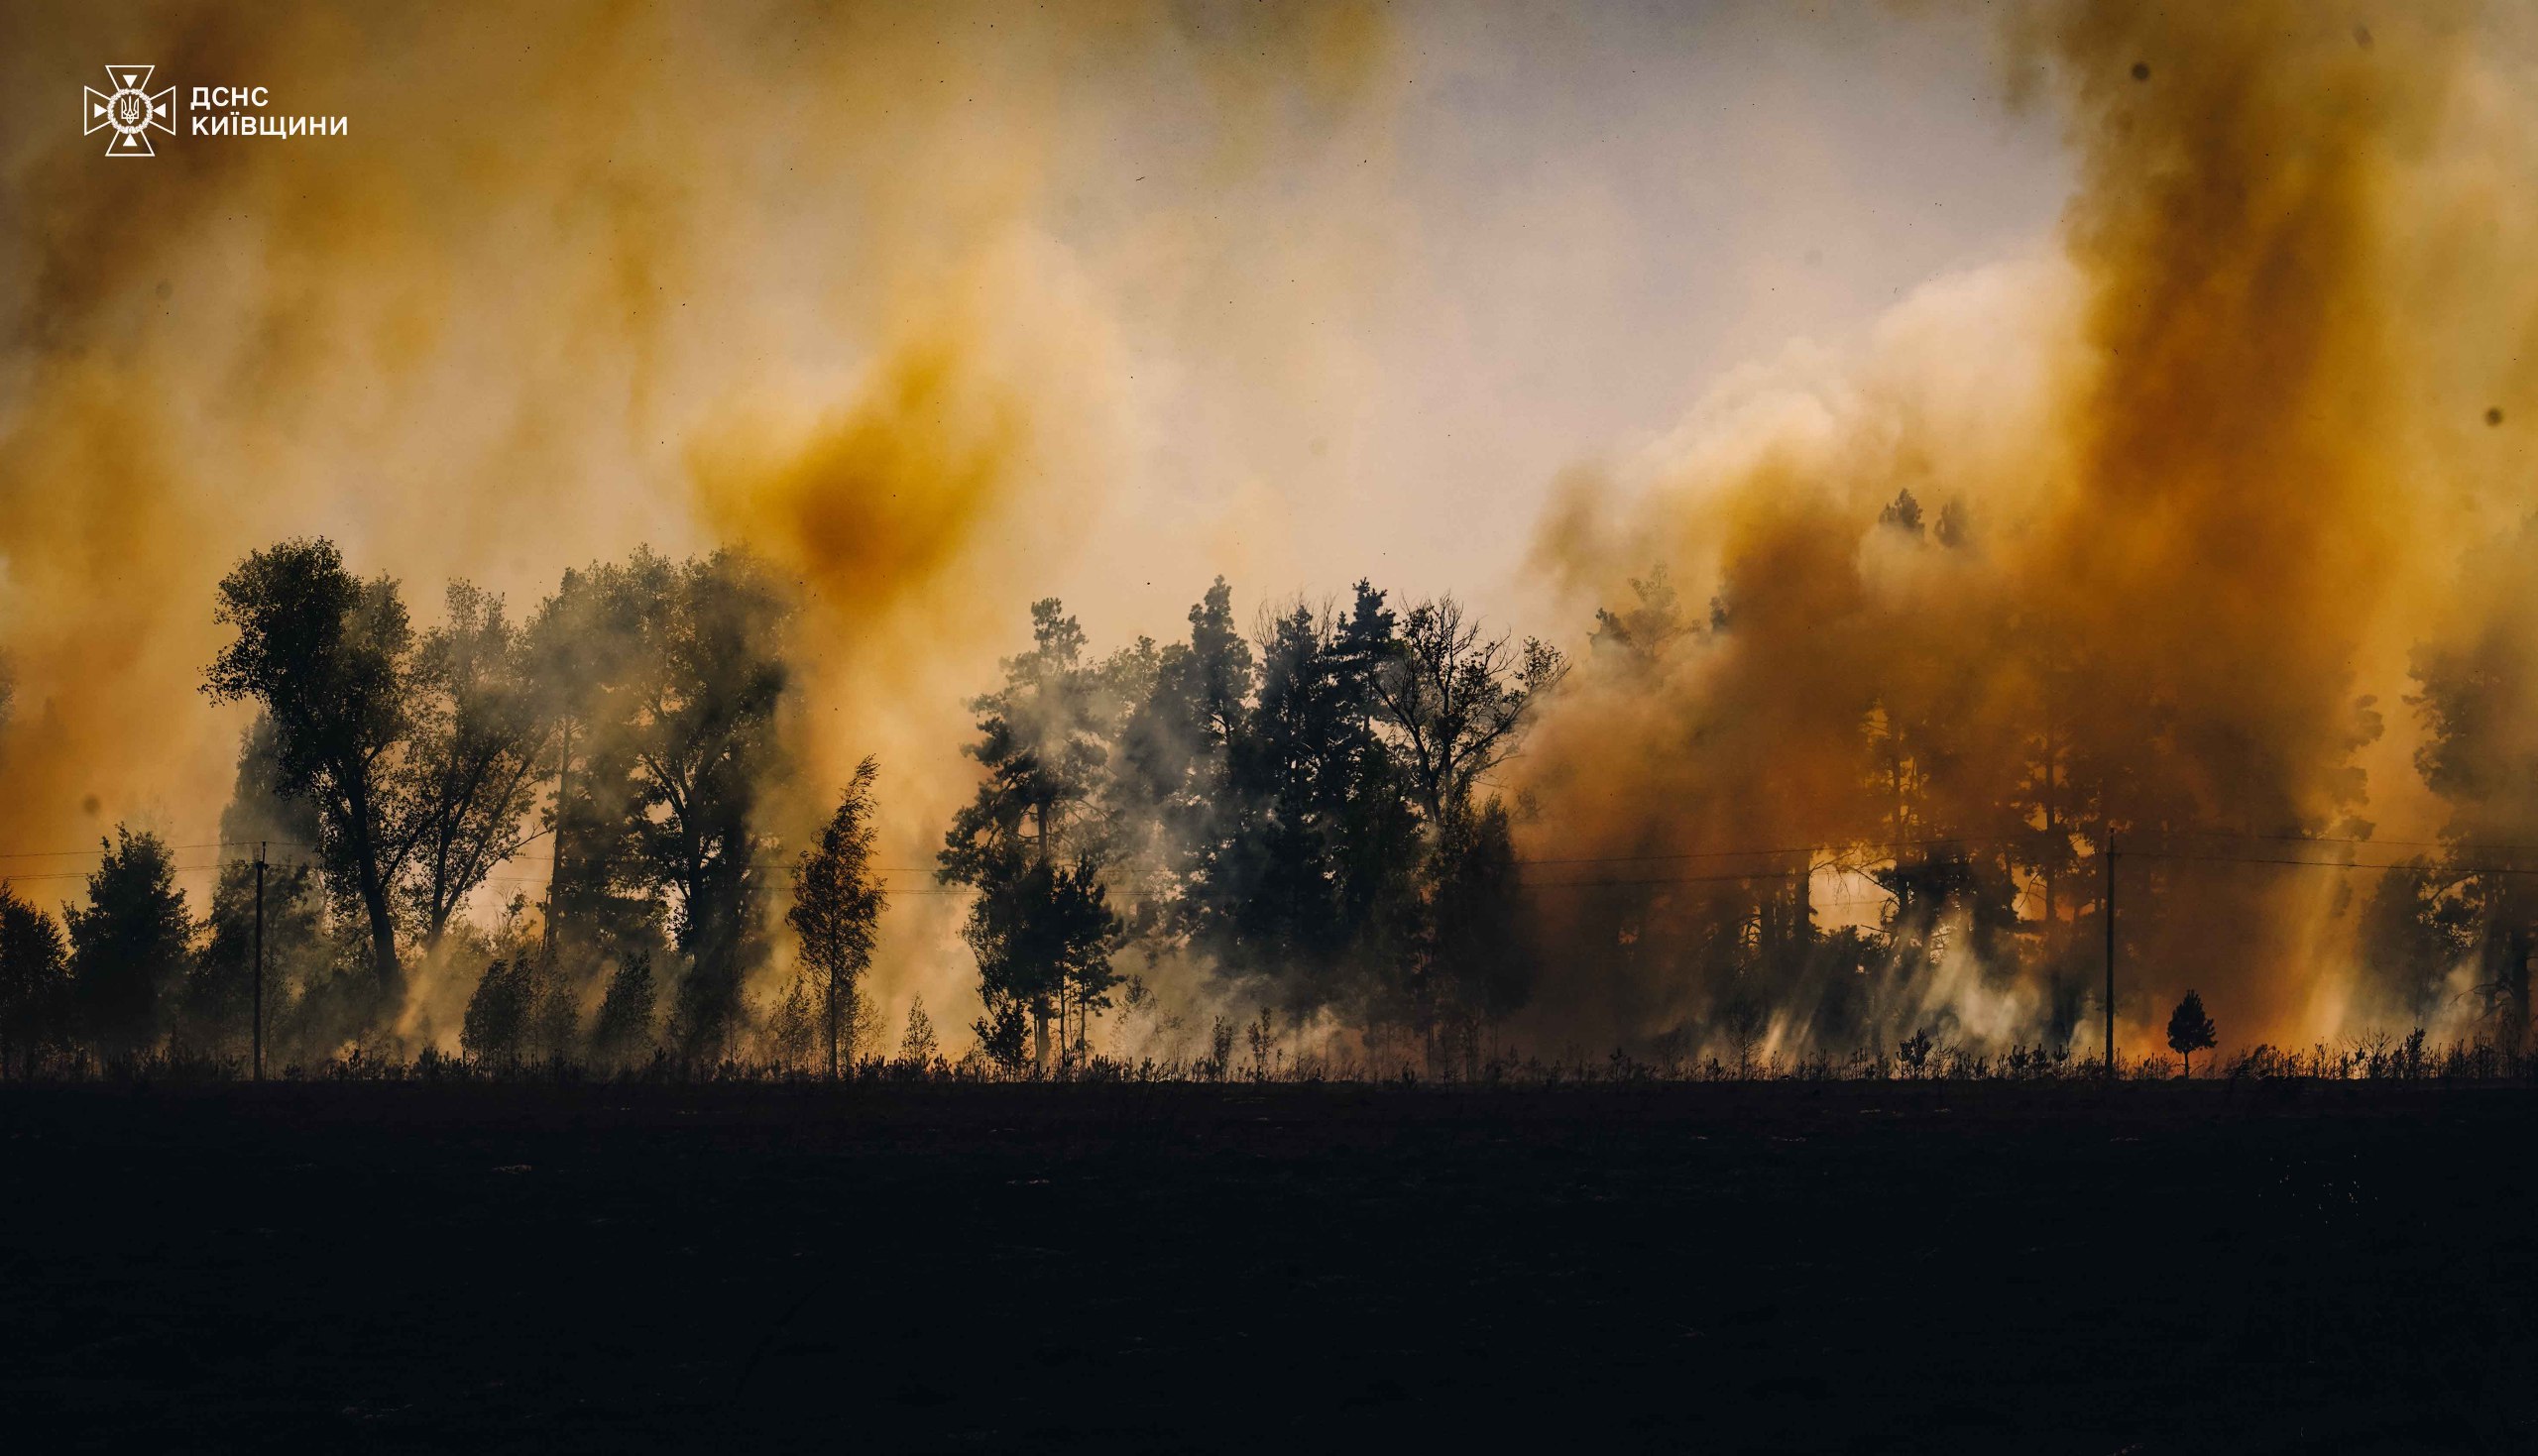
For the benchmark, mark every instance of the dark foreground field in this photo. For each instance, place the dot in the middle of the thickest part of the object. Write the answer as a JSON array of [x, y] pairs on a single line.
[[1930, 1267]]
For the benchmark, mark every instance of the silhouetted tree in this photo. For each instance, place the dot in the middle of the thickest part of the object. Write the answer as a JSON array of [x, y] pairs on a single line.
[[1174, 804], [1314, 879], [1643, 633], [1955, 526], [2189, 1030], [497, 1023], [33, 982], [681, 744], [2051, 796], [1304, 821], [478, 730], [260, 809], [1479, 966], [1745, 1019], [838, 901], [1453, 704], [2417, 927], [2475, 693], [219, 992], [1457, 701], [1042, 936], [917, 1046], [586, 649], [624, 1025], [1030, 844], [129, 944], [327, 654], [707, 748]]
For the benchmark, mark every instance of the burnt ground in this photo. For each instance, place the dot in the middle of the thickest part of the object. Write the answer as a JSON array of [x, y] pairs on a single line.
[[1872, 1267]]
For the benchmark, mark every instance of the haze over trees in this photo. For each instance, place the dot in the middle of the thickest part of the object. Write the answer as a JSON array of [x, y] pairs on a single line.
[[1290, 833], [1034, 842], [1301, 817], [326, 655], [838, 898], [387, 775]]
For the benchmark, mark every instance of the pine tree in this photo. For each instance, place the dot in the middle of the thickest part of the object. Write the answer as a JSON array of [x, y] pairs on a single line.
[[917, 1046], [838, 901], [624, 1027], [2189, 1030], [1031, 845], [34, 981], [129, 947]]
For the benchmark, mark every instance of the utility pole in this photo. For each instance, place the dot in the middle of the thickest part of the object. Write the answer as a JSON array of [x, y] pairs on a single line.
[[2110, 952], [259, 961], [556, 860]]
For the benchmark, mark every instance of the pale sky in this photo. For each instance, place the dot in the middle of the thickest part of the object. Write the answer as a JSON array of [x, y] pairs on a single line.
[[1596, 213]]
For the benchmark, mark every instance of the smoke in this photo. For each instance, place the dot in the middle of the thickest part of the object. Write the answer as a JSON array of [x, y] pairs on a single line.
[[870, 289], [2186, 489], [838, 285]]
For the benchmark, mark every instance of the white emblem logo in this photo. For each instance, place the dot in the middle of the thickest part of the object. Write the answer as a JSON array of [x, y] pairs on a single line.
[[130, 109]]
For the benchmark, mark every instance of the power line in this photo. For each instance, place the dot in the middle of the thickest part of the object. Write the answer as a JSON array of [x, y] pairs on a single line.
[[1173, 891], [2463, 869], [2481, 844]]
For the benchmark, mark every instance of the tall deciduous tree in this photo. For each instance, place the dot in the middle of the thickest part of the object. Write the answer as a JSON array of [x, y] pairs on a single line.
[[328, 656], [838, 901], [662, 680], [711, 678], [1456, 699], [585, 649], [471, 778]]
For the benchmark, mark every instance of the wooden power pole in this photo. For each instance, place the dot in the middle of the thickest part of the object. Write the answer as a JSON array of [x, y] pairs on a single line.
[[2110, 952], [556, 860], [260, 962]]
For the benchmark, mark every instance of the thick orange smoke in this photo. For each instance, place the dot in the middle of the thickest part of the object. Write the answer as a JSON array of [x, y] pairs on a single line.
[[2188, 491], [835, 284]]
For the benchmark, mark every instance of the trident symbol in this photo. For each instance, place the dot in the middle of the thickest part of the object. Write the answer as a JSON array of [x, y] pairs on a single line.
[[130, 109]]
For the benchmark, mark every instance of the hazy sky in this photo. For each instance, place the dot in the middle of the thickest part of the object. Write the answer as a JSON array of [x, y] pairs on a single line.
[[947, 308], [1590, 214]]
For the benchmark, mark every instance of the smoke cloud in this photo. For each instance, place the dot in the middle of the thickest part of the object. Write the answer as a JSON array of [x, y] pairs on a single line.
[[2182, 492], [863, 290], [838, 285]]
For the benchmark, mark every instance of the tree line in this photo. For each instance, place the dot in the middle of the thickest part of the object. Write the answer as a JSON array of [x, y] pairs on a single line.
[[1303, 816], [629, 722]]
